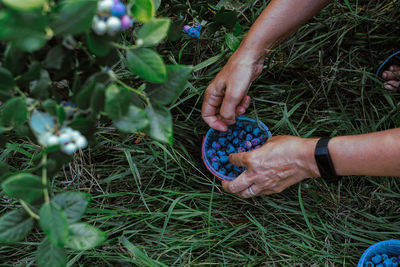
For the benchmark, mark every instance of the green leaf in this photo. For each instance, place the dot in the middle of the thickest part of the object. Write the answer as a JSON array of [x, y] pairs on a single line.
[[75, 16], [98, 45], [134, 121], [15, 225], [143, 10], [24, 5], [83, 97], [61, 114], [166, 93], [49, 255], [73, 203], [14, 111], [25, 30], [40, 88], [141, 258], [54, 224], [160, 124], [54, 58], [154, 31], [50, 106], [147, 64], [97, 100], [13, 59], [83, 236], [232, 41], [7, 79], [24, 186], [117, 101]]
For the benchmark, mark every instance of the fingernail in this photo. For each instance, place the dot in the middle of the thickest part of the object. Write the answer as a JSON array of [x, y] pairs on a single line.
[[389, 87], [391, 68], [384, 75]]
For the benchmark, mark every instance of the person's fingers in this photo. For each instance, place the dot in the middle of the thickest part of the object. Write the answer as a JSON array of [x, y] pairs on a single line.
[[211, 104], [391, 75], [267, 193], [242, 182], [239, 159], [257, 189], [394, 68], [392, 85], [234, 94], [241, 109]]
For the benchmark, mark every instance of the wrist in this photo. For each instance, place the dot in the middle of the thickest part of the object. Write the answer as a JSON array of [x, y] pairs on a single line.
[[308, 155], [252, 52]]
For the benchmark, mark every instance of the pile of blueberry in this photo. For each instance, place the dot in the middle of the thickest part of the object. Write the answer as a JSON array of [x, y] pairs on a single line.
[[193, 32], [70, 140], [111, 17], [241, 137], [383, 260]]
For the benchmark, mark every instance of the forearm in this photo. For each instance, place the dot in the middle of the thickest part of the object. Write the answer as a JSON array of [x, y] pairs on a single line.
[[278, 21]]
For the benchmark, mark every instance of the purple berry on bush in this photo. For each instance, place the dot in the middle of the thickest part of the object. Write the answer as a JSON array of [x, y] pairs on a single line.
[[376, 259], [248, 144], [215, 159], [216, 145], [186, 28], [235, 141], [230, 149], [249, 137], [255, 142], [249, 128], [256, 131], [224, 159]]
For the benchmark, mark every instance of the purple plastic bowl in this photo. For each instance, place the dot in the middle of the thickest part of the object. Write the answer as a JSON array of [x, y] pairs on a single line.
[[390, 247], [212, 135]]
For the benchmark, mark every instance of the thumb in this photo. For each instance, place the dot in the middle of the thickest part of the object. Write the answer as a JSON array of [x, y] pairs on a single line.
[[239, 159]]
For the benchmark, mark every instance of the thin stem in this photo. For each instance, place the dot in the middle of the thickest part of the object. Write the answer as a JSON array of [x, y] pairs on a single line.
[[28, 210], [136, 91], [44, 178]]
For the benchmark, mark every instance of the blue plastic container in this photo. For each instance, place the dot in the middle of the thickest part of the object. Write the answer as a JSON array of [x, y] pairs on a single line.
[[390, 247], [212, 135], [393, 59]]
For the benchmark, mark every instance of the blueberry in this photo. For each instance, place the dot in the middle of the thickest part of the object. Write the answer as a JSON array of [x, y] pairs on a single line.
[[241, 149], [118, 9], [235, 133], [379, 265], [231, 174], [222, 134], [230, 137], [210, 153], [229, 132], [224, 159], [369, 264], [215, 159], [263, 138], [221, 153], [222, 171], [376, 259], [249, 137], [237, 169], [257, 147], [194, 33], [256, 131], [384, 257], [247, 144], [387, 263], [242, 134], [215, 165], [231, 149], [235, 141], [186, 28], [255, 142], [228, 166], [222, 141], [216, 145], [249, 128], [239, 124], [198, 27]]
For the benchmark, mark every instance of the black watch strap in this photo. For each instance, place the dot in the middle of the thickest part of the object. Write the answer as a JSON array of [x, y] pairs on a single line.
[[324, 162]]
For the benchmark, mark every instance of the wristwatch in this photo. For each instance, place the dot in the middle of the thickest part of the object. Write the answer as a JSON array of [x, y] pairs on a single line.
[[324, 162]]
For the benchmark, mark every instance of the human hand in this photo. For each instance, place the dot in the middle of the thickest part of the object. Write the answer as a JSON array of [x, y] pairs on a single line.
[[278, 164], [225, 97]]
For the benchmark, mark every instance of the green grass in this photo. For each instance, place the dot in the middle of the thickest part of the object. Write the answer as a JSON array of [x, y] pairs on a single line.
[[164, 201]]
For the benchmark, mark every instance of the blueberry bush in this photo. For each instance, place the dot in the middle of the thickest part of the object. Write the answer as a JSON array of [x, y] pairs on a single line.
[[65, 66]]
